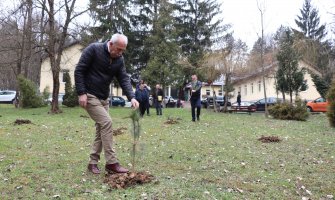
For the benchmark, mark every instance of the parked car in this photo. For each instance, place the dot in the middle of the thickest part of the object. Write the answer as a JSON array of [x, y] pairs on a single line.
[[169, 101], [127, 104], [245, 106], [219, 101], [117, 101], [60, 98], [260, 104], [318, 105], [7, 96], [204, 103]]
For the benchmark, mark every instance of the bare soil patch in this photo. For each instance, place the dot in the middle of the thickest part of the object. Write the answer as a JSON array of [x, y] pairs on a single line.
[[268, 139], [22, 121], [172, 121]]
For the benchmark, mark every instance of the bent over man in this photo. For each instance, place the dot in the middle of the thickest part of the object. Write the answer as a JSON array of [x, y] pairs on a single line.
[[98, 65]]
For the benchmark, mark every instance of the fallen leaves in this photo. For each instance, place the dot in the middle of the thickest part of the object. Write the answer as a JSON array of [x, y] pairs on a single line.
[[122, 181], [119, 131]]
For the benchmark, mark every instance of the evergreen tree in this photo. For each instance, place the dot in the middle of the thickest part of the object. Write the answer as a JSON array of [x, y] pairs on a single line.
[[290, 79], [112, 16], [309, 45], [309, 22], [196, 28], [29, 97], [70, 98], [162, 66]]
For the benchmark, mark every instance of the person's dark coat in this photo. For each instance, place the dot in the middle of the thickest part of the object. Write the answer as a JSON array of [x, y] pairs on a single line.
[[142, 96], [96, 70], [156, 93]]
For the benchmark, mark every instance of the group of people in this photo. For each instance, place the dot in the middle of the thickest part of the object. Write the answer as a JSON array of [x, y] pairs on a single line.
[[142, 95], [96, 69]]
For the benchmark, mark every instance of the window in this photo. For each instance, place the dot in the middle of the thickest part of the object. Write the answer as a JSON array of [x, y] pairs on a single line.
[[62, 75], [208, 92], [252, 88], [245, 90], [259, 86], [220, 92]]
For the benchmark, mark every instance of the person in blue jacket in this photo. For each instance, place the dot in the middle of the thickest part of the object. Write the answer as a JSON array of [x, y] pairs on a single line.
[[142, 96]]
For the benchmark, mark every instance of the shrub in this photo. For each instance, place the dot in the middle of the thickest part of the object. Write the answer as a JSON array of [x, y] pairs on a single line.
[[29, 97], [331, 107], [70, 98], [46, 94], [288, 111]]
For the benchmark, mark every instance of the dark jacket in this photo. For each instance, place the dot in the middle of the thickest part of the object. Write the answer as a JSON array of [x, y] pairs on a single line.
[[95, 72], [156, 93], [197, 87], [142, 96]]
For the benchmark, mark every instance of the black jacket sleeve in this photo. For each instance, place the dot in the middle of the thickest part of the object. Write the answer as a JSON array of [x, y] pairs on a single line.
[[82, 68]]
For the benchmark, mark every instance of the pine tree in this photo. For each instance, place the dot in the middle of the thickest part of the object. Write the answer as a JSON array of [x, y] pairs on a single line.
[[162, 66], [290, 79], [195, 26], [309, 45], [309, 22], [70, 98]]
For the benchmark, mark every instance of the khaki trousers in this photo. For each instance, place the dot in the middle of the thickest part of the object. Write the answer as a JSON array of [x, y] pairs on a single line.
[[98, 111]]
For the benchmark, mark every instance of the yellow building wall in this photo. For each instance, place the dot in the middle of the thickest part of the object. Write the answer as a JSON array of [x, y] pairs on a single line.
[[70, 58], [252, 89]]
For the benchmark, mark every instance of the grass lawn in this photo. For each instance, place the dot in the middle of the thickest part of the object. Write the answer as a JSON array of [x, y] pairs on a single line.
[[219, 157]]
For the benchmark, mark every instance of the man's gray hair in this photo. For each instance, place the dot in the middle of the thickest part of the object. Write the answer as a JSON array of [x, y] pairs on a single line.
[[117, 37]]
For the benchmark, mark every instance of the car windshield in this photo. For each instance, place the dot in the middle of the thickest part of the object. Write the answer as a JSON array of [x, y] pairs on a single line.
[[320, 100]]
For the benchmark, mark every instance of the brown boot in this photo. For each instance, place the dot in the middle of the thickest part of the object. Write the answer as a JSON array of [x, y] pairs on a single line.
[[93, 168], [115, 168]]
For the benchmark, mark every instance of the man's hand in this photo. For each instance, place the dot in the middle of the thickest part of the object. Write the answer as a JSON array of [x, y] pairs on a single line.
[[83, 100], [134, 103]]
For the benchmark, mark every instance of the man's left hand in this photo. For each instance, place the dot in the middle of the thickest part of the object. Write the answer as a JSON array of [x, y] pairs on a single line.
[[134, 103]]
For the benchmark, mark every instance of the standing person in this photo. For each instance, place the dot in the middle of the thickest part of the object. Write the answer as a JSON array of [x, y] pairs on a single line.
[[195, 97], [148, 91], [158, 96], [142, 97], [98, 65], [239, 99]]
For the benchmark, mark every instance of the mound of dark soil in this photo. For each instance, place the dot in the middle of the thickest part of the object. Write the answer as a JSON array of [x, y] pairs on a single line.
[[268, 139], [122, 181], [119, 131], [22, 121], [171, 121]]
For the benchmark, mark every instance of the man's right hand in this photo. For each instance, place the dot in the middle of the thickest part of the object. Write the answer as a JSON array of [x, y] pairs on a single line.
[[83, 100]]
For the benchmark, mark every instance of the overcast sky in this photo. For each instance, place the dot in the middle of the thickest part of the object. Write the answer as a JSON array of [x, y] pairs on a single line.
[[245, 16]]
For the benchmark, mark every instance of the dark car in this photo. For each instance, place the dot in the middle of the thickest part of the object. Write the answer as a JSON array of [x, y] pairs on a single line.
[[219, 101], [117, 101], [260, 104], [245, 106], [204, 103]]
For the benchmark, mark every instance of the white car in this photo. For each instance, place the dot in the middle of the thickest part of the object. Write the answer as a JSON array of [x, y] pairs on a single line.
[[7, 96], [169, 101], [60, 98]]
